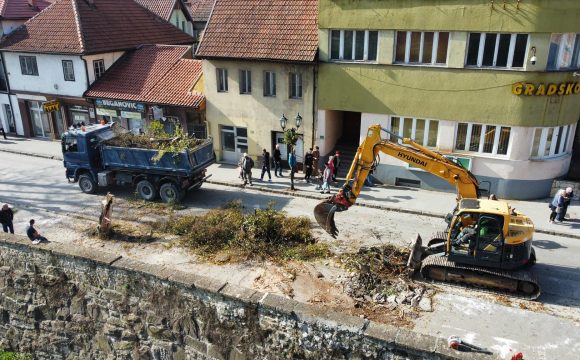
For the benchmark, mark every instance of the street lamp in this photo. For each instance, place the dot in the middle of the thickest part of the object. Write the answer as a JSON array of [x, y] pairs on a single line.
[[283, 122], [298, 120]]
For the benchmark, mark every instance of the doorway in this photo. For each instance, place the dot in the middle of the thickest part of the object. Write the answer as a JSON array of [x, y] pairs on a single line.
[[40, 120], [279, 140], [350, 128], [234, 143], [9, 118]]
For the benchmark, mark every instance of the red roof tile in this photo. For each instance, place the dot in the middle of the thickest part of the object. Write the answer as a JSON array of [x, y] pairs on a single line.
[[154, 74], [163, 8], [21, 9], [284, 30], [200, 9], [75, 27]]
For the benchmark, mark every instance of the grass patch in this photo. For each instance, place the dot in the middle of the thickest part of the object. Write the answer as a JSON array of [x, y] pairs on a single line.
[[229, 233], [8, 355]]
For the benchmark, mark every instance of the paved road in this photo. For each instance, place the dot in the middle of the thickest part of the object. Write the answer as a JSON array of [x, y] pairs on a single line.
[[37, 188]]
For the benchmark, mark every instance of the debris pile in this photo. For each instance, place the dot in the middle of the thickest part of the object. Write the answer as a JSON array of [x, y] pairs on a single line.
[[379, 276], [145, 142]]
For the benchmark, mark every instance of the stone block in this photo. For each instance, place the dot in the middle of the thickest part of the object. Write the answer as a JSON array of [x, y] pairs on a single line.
[[184, 278], [239, 293], [111, 295], [382, 332], [278, 303], [123, 345], [141, 267], [213, 351], [207, 283], [236, 354], [196, 345], [99, 257], [415, 343]]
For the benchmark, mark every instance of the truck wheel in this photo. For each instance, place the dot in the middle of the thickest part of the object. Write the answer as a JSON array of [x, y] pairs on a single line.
[[87, 184], [170, 193], [146, 190]]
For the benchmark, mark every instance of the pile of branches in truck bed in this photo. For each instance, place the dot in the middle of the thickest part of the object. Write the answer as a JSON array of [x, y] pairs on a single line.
[[156, 138], [378, 275]]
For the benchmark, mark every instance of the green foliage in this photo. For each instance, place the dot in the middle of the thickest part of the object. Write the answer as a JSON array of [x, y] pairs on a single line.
[[262, 234], [7, 355], [291, 137], [156, 130]]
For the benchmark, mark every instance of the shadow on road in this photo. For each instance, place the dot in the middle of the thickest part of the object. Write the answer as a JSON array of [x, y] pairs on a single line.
[[548, 245]]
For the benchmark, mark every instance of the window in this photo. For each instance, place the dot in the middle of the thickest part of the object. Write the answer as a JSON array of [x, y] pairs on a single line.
[[421, 47], [295, 86], [99, 68], [564, 52], [222, 80], [551, 142], [496, 50], [28, 65], [234, 139], [3, 83], [245, 82], [69, 144], [354, 45], [68, 70], [422, 131], [269, 83], [486, 139]]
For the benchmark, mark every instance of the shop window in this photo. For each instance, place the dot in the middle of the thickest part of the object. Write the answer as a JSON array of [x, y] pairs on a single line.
[[295, 86], [28, 65], [422, 131], [269, 83], [245, 82], [550, 142], [486, 139], [496, 50], [415, 47], [79, 115], [234, 139], [222, 80], [99, 68], [351, 45], [564, 52], [68, 70]]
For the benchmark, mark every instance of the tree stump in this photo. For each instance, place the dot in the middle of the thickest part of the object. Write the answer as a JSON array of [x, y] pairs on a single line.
[[105, 221]]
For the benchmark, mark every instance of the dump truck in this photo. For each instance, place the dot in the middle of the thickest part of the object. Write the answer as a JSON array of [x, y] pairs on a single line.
[[94, 164]]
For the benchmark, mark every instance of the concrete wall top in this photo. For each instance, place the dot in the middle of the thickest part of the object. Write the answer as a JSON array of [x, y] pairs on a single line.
[[452, 15]]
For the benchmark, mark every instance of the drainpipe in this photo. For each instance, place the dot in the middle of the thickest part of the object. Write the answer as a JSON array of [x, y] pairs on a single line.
[[8, 90], [314, 103]]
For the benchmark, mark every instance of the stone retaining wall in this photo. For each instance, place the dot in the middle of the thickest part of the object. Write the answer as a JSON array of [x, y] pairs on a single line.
[[59, 302]]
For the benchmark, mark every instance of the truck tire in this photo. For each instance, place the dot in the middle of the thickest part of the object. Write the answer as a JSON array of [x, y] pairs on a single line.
[[146, 190], [87, 184], [169, 193]]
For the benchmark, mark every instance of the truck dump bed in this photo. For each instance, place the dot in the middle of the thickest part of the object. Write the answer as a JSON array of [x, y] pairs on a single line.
[[185, 163]]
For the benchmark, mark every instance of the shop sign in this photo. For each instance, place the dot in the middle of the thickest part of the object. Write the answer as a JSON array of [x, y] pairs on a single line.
[[120, 105], [106, 112], [131, 115], [51, 106], [528, 89]]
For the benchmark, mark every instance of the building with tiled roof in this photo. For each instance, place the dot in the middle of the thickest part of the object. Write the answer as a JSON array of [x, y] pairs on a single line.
[[200, 11], [174, 11], [14, 13], [259, 60], [164, 79], [55, 55]]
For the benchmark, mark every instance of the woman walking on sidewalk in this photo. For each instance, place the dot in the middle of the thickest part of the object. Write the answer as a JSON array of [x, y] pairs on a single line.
[[327, 178]]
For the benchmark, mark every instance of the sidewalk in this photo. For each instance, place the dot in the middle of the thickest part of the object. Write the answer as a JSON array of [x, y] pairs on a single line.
[[392, 198]]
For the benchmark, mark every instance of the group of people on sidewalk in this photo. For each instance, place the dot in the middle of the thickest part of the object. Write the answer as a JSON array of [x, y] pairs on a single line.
[[7, 221], [311, 169], [559, 205]]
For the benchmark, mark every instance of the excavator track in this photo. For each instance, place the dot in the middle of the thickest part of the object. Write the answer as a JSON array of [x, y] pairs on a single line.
[[522, 284]]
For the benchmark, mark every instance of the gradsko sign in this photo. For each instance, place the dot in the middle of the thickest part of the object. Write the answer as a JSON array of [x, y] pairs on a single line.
[[120, 105], [527, 89]]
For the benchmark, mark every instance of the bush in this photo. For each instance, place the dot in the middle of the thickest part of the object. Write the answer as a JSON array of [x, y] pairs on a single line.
[[264, 233]]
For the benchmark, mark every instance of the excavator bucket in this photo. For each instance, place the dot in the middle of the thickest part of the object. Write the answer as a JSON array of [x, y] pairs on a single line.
[[417, 254], [324, 215]]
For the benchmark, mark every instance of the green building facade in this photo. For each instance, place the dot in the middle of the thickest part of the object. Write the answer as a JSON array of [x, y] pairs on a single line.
[[494, 84]]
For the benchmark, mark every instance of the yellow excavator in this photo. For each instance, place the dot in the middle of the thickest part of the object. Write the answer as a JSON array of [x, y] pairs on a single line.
[[487, 244]]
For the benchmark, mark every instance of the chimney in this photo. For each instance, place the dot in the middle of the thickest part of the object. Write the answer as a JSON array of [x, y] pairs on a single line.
[[32, 4]]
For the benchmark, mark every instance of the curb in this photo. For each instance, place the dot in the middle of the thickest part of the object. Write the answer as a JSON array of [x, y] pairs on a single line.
[[297, 193]]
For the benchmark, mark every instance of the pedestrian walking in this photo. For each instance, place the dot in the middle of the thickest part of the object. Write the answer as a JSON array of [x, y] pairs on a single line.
[[308, 161], [277, 161], [331, 164], [241, 167], [568, 195], [247, 166], [556, 205], [316, 161], [336, 163], [6, 218], [266, 165], [326, 178], [3, 133], [292, 163], [33, 235]]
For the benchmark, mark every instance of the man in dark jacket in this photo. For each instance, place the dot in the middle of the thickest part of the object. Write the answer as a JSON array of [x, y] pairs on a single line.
[[277, 161], [6, 217], [315, 160], [308, 160], [247, 165], [266, 165], [33, 234], [336, 162]]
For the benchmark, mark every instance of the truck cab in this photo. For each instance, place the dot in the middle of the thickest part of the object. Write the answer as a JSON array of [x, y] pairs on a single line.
[[80, 150]]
